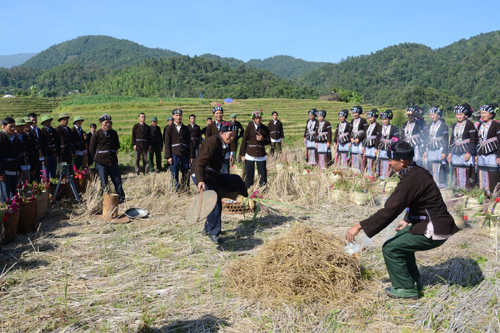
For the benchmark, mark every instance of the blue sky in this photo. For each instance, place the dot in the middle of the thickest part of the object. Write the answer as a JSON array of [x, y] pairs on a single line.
[[311, 30]]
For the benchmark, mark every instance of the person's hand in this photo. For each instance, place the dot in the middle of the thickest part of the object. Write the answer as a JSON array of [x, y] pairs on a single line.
[[2, 178], [356, 141], [352, 232], [259, 137], [352, 140], [304, 140], [401, 225], [466, 158], [135, 147], [498, 160], [424, 156], [231, 159], [316, 145], [328, 144], [44, 162], [449, 157], [201, 186], [170, 161], [475, 159], [349, 146], [191, 160], [242, 159]]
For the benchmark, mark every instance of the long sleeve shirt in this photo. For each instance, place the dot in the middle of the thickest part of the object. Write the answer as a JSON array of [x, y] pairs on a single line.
[[104, 146], [249, 143]]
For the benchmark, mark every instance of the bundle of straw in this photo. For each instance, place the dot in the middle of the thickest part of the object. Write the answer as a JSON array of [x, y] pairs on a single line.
[[305, 265]]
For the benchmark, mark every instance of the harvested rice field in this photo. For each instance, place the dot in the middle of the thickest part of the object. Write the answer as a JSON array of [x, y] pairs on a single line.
[[283, 270]]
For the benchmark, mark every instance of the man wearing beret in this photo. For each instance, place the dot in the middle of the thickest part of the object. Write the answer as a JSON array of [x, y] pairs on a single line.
[[207, 174], [67, 152], [426, 226], [104, 146], [253, 150], [178, 150], [141, 140], [195, 132], [52, 149], [156, 146], [213, 130], [78, 134]]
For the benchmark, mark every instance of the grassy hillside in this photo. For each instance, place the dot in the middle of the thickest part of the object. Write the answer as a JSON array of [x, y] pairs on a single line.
[[286, 66]]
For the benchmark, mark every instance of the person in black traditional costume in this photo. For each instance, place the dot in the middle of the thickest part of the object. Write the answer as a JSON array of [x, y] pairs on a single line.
[[437, 147], [411, 133], [371, 142], [323, 139], [342, 140], [309, 137], [358, 134], [488, 154], [463, 141], [389, 135]]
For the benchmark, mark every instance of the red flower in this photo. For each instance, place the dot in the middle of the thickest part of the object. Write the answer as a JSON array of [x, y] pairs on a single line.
[[465, 217], [6, 216], [308, 170], [497, 199]]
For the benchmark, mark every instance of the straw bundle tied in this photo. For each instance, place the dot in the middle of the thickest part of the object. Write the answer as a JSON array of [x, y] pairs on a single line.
[[304, 265]]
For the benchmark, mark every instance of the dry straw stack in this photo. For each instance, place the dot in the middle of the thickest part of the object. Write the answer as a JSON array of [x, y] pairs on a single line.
[[304, 265]]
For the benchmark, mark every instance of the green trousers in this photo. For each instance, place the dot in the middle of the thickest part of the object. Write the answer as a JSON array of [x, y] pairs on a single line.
[[156, 152], [399, 256], [275, 148]]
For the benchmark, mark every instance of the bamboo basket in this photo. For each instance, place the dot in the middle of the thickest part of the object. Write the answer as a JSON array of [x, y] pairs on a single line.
[[10, 228], [237, 207], [27, 217], [42, 205]]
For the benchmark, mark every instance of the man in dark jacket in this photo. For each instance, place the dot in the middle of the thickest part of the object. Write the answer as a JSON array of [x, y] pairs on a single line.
[[213, 129], [207, 168], [104, 146], [195, 131], [65, 140], [253, 150], [141, 140], [93, 128], [156, 146], [178, 151], [10, 149], [78, 135], [39, 143], [52, 149], [277, 135], [427, 225]]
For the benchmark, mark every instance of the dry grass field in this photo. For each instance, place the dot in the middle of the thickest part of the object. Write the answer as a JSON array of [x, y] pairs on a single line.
[[78, 273]]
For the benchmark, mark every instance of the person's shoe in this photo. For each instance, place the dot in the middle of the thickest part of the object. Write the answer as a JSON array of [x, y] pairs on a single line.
[[401, 293], [216, 239], [204, 232], [121, 201]]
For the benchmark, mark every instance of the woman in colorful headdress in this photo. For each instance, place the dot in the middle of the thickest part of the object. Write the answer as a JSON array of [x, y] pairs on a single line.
[[462, 147], [389, 135], [371, 142], [310, 137], [342, 140], [358, 134], [323, 140], [412, 134], [418, 114], [437, 147], [488, 154]]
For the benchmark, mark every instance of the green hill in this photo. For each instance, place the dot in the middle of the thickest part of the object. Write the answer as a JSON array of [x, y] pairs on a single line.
[[407, 74], [103, 51], [286, 66]]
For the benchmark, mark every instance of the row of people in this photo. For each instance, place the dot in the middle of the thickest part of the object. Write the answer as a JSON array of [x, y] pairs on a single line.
[[471, 149]]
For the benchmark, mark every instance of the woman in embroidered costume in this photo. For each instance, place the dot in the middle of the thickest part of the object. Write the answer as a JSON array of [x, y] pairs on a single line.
[[462, 146], [323, 140], [437, 147], [371, 142], [488, 154], [411, 133], [389, 135], [418, 115], [358, 134], [310, 137], [342, 140]]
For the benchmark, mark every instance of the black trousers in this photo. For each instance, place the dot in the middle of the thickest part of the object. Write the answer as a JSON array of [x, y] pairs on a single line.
[[250, 171]]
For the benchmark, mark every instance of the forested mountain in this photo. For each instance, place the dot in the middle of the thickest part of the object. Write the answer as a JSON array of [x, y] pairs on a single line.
[[189, 77], [232, 62], [286, 66], [103, 51], [407, 74], [182, 76], [7, 61]]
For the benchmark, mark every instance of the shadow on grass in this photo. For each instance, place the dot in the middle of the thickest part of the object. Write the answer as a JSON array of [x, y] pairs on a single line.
[[206, 323], [242, 238], [462, 271]]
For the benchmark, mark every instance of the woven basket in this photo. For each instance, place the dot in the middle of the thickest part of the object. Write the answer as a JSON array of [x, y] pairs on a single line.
[[27, 217], [235, 208], [10, 228], [42, 205]]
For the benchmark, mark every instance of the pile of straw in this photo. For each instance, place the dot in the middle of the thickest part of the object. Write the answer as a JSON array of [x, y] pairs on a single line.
[[304, 265]]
